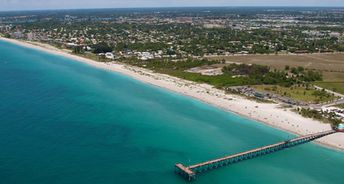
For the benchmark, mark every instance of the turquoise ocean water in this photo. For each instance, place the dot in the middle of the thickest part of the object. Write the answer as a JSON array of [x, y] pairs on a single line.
[[63, 122]]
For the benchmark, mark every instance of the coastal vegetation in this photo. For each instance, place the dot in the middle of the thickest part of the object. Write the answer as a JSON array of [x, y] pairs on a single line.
[[233, 74], [178, 69], [321, 116], [101, 47], [340, 106], [303, 93], [334, 86]]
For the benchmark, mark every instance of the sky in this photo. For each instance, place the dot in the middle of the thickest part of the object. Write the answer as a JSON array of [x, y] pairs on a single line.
[[7, 5]]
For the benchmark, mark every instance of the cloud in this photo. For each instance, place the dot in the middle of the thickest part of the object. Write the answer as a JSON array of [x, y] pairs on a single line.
[[72, 4]]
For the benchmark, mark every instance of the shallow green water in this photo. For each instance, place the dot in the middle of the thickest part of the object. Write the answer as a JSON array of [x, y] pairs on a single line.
[[65, 122]]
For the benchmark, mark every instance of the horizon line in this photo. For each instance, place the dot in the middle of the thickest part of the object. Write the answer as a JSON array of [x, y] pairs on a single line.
[[163, 7]]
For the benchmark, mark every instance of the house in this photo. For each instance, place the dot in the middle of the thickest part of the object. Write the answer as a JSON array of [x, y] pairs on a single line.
[[145, 56], [71, 45]]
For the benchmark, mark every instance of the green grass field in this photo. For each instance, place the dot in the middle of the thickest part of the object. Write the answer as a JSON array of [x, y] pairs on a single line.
[[217, 81], [297, 93], [334, 86]]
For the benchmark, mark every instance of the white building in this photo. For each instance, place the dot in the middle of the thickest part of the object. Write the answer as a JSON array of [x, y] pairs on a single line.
[[145, 55], [109, 55], [31, 36]]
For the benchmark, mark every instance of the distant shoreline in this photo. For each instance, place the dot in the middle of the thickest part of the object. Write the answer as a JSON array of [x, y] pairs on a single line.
[[270, 114]]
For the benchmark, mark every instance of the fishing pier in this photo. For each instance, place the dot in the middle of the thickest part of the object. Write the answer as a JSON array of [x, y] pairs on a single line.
[[189, 172]]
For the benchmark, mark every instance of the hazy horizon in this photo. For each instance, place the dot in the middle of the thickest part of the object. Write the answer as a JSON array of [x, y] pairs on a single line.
[[17, 5]]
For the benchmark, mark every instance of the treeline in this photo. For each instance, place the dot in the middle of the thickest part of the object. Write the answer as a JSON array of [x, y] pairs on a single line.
[[304, 75], [258, 74], [102, 47], [243, 69], [171, 65]]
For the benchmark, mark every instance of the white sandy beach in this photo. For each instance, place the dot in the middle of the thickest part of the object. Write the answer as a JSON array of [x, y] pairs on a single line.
[[270, 114]]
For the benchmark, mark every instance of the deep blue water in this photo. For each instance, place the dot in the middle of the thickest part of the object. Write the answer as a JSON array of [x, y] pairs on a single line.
[[63, 122]]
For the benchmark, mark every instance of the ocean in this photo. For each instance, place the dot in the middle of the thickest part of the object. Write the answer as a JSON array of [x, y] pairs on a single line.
[[64, 122]]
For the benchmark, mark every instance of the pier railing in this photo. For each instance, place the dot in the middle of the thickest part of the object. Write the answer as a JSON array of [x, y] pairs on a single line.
[[189, 172]]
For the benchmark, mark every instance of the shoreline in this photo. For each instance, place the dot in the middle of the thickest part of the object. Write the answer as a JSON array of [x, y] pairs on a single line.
[[272, 115]]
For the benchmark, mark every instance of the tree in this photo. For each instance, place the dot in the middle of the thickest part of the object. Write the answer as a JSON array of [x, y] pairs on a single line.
[[300, 69], [78, 50], [102, 48], [7, 35]]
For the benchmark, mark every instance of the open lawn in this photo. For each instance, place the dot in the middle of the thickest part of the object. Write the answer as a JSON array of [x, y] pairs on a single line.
[[333, 81], [297, 93], [334, 86]]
